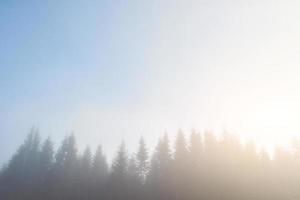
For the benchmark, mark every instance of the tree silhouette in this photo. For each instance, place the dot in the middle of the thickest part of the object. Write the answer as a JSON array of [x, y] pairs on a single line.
[[100, 174], [133, 180], [160, 170], [180, 165], [119, 174], [142, 161], [195, 149], [99, 166], [46, 159], [84, 175], [65, 169], [210, 168], [194, 168], [20, 175]]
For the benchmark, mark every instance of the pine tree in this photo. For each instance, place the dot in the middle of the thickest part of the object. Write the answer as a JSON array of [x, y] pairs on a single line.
[[85, 163], [158, 181], [45, 164], [195, 148], [99, 174], [84, 175], [133, 172], [99, 166], [119, 174], [142, 161], [181, 151], [180, 166], [46, 159], [164, 155], [120, 163], [210, 144], [195, 164], [133, 180], [65, 168], [66, 156], [21, 172]]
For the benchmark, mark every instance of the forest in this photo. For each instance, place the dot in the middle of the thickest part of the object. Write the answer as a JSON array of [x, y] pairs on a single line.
[[195, 166]]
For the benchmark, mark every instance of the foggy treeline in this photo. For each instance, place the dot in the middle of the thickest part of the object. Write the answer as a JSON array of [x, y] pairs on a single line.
[[193, 167]]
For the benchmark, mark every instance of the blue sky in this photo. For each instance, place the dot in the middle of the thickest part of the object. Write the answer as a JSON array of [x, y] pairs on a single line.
[[58, 55], [113, 70]]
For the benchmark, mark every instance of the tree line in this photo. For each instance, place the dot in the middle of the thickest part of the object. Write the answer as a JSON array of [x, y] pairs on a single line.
[[200, 166]]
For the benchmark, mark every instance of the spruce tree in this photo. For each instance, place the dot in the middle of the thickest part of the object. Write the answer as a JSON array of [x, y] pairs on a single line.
[[99, 165], [84, 175], [142, 161], [159, 179], [46, 159], [99, 173], [120, 163], [195, 148], [65, 169], [181, 151], [119, 175]]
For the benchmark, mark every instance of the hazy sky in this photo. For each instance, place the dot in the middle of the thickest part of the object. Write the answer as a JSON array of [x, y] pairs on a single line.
[[113, 70]]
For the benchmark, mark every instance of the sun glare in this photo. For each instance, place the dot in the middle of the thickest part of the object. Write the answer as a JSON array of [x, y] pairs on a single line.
[[267, 123]]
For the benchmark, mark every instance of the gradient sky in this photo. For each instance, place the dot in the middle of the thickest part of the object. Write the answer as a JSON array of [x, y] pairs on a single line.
[[113, 70]]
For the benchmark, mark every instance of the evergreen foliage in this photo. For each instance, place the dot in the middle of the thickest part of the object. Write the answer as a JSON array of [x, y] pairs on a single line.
[[201, 167]]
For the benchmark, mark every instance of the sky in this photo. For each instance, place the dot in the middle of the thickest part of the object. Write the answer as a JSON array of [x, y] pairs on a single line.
[[117, 70]]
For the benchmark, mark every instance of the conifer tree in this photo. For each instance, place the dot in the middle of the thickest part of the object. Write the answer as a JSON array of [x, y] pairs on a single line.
[[180, 166], [134, 183], [46, 159], [99, 165], [21, 172], [133, 173], [85, 162], [84, 175], [181, 151], [195, 148], [99, 173], [119, 175], [159, 179], [65, 168], [120, 163], [142, 161]]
